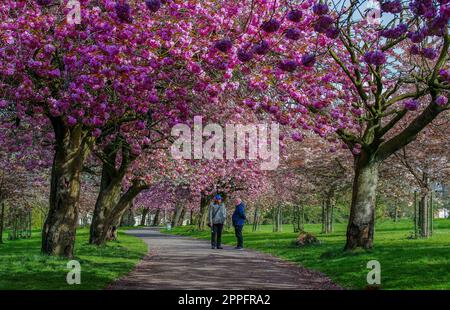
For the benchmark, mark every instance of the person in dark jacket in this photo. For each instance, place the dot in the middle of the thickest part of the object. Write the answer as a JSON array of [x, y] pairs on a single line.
[[238, 219]]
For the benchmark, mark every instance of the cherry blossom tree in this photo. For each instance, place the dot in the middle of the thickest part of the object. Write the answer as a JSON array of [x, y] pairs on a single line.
[[73, 76], [91, 78], [358, 81]]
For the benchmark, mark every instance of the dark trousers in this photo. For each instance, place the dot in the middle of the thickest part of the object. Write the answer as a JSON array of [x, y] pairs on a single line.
[[238, 233], [216, 234]]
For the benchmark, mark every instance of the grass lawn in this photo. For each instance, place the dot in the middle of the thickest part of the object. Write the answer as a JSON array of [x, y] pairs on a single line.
[[22, 266], [405, 263]]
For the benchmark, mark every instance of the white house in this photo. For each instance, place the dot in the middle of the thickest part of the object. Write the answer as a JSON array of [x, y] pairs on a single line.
[[443, 213]]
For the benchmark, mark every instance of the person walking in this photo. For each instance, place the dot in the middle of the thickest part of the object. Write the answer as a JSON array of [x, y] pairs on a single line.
[[238, 219], [217, 216]]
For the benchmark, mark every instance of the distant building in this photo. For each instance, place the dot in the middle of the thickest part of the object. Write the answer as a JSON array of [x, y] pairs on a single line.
[[443, 213], [442, 205]]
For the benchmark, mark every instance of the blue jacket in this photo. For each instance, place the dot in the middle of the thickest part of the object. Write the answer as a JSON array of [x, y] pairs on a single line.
[[238, 217]]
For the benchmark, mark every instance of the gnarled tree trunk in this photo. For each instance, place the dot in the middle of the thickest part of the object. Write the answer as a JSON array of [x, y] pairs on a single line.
[[362, 213], [58, 235], [111, 202], [109, 194], [112, 214]]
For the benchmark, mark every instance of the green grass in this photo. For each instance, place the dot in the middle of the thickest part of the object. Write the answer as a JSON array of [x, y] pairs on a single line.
[[405, 263], [22, 266]]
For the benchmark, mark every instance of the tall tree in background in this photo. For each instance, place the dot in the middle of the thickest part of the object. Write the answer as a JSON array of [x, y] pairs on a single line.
[[427, 161]]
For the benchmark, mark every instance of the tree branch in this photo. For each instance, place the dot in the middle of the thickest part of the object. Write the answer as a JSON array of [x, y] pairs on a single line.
[[409, 133]]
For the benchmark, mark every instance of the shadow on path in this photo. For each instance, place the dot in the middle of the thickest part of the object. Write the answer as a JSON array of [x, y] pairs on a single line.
[[176, 262]]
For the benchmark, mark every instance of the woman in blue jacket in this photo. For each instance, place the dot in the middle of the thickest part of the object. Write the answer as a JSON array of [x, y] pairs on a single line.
[[238, 219]]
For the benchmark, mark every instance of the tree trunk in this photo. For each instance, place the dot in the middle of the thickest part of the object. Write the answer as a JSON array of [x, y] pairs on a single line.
[[360, 228], [103, 225], [203, 216], [328, 214], [111, 202], [274, 220], [294, 218], [424, 210], [416, 217], [278, 219], [299, 225], [256, 219], [156, 219], [164, 217], [58, 235], [30, 224], [302, 218], [431, 213], [108, 197], [181, 219], [177, 214], [127, 218], [323, 216], [144, 216], [424, 231], [2, 220]]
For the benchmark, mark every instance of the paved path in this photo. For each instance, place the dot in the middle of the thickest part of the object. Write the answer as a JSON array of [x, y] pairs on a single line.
[[175, 262]]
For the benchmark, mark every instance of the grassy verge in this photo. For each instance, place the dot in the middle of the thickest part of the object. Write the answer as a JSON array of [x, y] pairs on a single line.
[[405, 263], [22, 266]]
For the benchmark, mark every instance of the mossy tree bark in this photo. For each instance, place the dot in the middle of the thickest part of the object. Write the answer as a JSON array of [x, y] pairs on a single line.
[[112, 202], [362, 213], [111, 214], [58, 235]]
